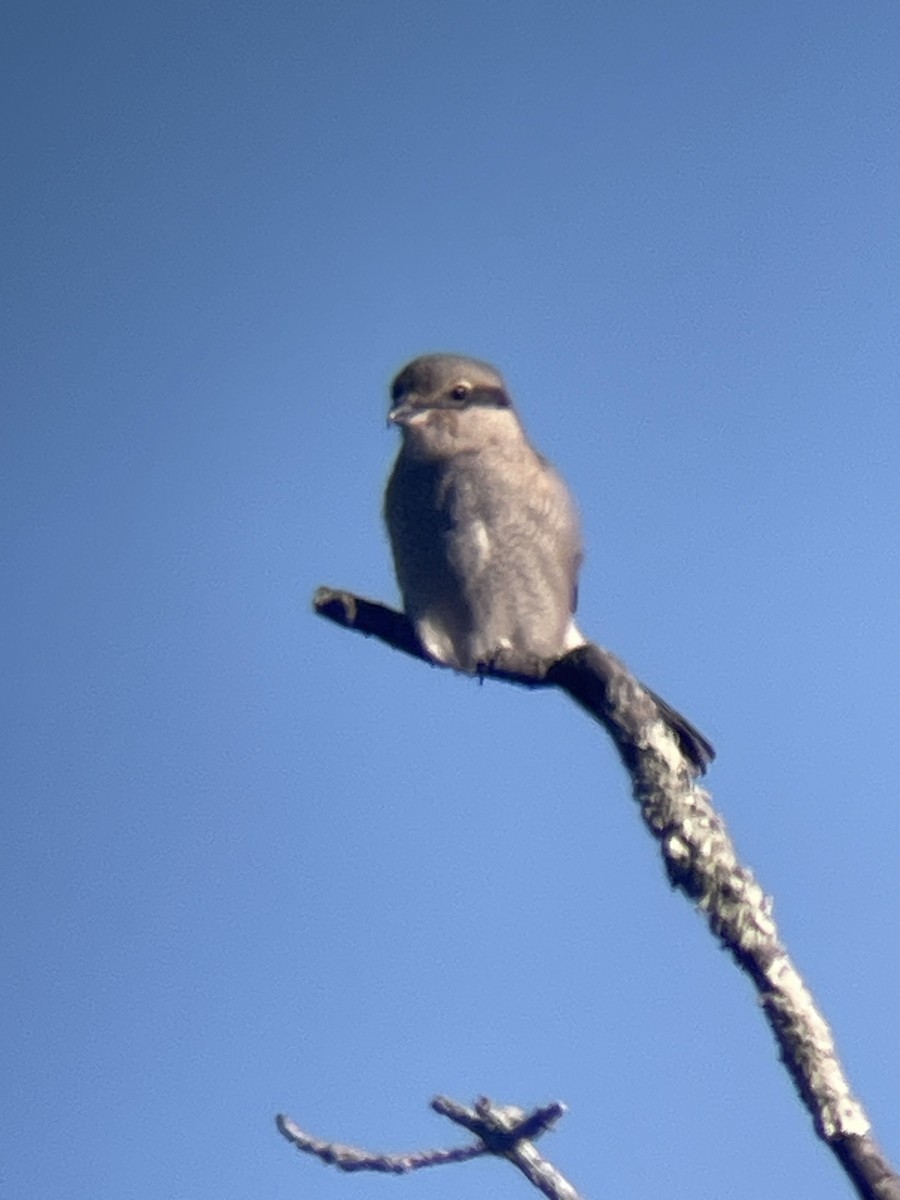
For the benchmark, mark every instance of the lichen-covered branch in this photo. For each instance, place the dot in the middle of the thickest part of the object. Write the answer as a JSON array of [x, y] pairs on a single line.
[[700, 859]]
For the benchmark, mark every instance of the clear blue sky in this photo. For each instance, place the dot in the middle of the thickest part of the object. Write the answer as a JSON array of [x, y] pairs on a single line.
[[252, 863]]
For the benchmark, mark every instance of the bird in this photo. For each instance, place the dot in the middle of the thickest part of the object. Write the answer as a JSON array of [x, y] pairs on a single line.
[[484, 533]]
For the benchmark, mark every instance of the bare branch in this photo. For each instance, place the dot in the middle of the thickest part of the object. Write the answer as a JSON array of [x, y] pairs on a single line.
[[369, 618], [352, 1158], [700, 859], [595, 679], [508, 1131], [503, 1130]]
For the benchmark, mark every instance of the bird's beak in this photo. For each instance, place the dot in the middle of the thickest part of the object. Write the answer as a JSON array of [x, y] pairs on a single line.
[[402, 414]]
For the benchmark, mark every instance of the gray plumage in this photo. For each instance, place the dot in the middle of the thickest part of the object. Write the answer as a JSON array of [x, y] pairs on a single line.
[[483, 530]]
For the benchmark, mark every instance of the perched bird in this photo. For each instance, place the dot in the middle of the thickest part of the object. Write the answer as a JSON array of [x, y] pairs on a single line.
[[484, 532]]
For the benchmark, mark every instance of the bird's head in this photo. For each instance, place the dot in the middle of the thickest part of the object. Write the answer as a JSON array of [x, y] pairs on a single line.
[[446, 404]]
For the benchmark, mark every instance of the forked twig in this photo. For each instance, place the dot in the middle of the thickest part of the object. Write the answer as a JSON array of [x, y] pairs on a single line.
[[503, 1130]]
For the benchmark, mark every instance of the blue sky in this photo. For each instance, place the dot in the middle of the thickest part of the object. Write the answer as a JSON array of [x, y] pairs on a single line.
[[252, 863]]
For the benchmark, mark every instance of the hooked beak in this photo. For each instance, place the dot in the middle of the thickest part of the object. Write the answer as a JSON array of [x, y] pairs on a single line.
[[404, 414]]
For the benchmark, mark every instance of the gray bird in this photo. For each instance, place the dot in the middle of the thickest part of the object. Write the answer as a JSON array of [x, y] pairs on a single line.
[[484, 533]]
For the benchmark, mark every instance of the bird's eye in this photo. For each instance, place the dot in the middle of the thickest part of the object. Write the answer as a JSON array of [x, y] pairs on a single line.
[[461, 391]]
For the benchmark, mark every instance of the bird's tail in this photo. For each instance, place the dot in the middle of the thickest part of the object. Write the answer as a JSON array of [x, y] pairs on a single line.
[[692, 742], [605, 688]]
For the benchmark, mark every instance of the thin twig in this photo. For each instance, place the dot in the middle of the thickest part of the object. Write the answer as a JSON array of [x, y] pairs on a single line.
[[352, 1158]]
